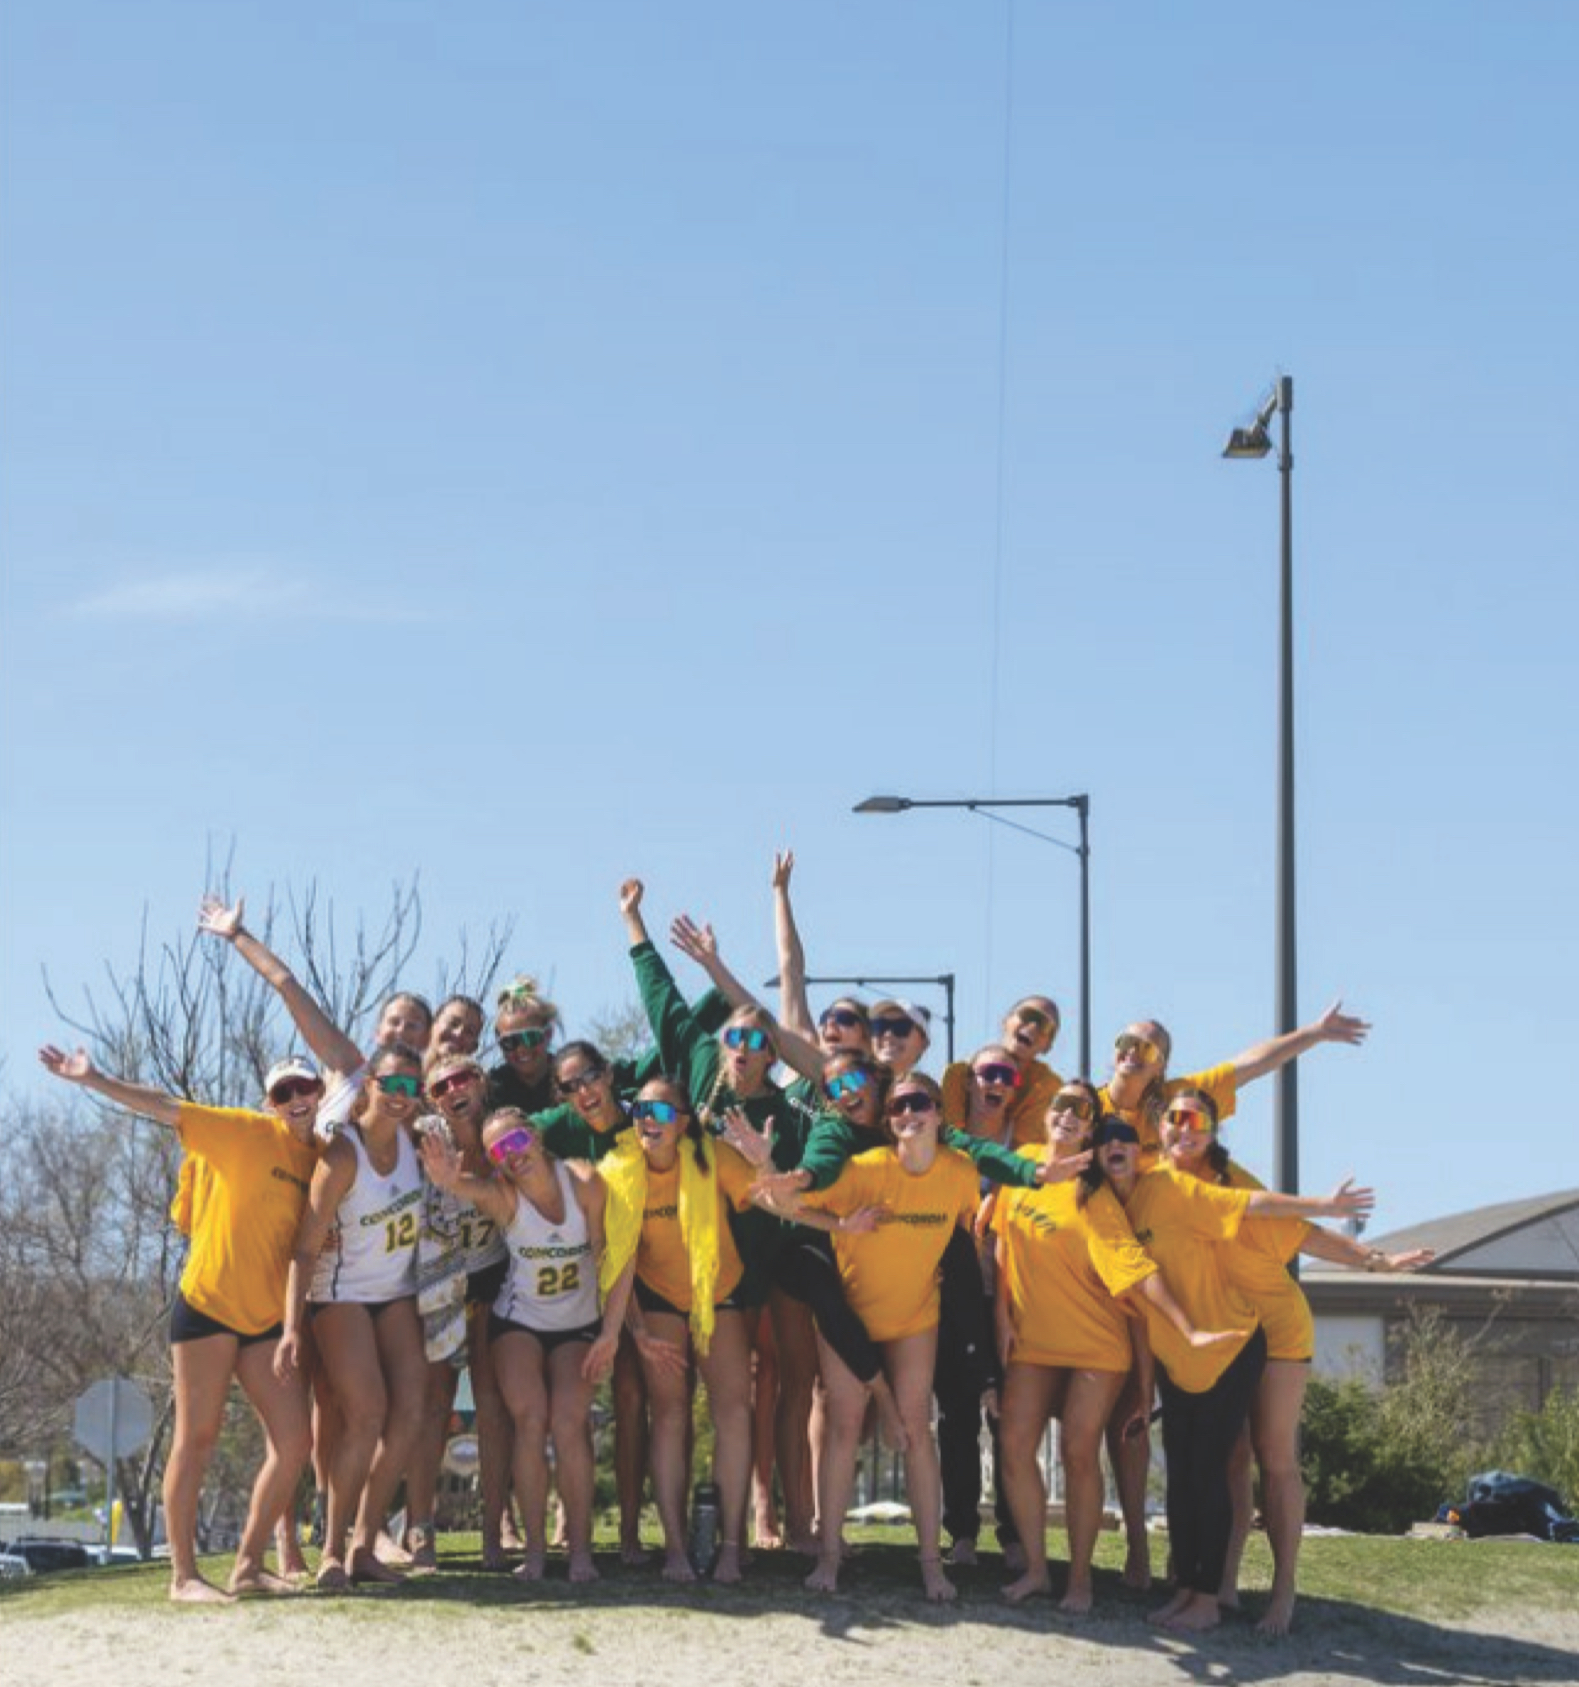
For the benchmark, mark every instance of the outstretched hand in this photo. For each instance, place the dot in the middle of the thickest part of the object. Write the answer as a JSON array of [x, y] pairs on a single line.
[[74, 1068], [754, 1146], [864, 1220], [662, 1355], [600, 1358], [1348, 1200], [631, 895], [1336, 1026], [696, 943], [783, 866], [1051, 1170], [218, 920], [441, 1161], [1410, 1261]]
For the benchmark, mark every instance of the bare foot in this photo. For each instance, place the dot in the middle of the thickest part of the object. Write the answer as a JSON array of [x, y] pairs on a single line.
[[509, 1536], [1137, 1566], [727, 1568], [258, 1580], [769, 1536], [963, 1551], [634, 1553], [1279, 1618], [939, 1589], [422, 1545], [193, 1590], [390, 1551], [332, 1577], [367, 1566], [1076, 1601], [677, 1567], [531, 1568], [1014, 1557], [808, 1545], [1033, 1581], [824, 1577], [1198, 1615], [1164, 1614], [582, 1569]]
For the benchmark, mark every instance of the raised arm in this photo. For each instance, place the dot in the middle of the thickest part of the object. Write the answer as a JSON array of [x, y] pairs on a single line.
[[1346, 1250], [1334, 1026], [794, 1008], [135, 1098], [1346, 1201], [335, 1052]]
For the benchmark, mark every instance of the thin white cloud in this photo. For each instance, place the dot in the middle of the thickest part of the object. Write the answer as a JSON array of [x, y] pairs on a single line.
[[250, 594]]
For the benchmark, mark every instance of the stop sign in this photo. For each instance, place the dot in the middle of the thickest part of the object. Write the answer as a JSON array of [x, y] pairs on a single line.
[[114, 1418]]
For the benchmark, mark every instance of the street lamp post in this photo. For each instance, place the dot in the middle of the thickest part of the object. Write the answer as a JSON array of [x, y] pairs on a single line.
[[861, 981], [1256, 442], [985, 806]]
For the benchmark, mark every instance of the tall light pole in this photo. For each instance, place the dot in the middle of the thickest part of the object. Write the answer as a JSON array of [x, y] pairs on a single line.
[[985, 806], [1256, 442]]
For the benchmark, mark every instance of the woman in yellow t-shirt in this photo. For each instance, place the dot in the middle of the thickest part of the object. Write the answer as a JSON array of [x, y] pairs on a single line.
[[1030, 1028], [1206, 1390], [890, 1275], [670, 1188], [226, 1319], [1258, 1267], [1138, 1092]]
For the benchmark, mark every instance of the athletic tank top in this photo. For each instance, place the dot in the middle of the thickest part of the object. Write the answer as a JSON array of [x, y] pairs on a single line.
[[371, 1254], [553, 1279]]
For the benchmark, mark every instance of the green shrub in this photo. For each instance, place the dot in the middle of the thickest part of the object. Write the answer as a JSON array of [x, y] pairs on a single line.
[[1545, 1444]]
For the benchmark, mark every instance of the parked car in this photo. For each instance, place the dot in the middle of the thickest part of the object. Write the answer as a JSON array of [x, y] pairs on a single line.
[[12, 1568], [43, 1555]]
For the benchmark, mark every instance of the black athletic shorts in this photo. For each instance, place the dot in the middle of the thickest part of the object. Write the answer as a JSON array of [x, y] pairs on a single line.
[[548, 1339], [188, 1324]]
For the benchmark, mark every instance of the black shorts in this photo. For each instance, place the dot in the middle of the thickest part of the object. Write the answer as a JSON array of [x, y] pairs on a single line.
[[547, 1339], [188, 1324], [649, 1300], [483, 1286], [371, 1307]]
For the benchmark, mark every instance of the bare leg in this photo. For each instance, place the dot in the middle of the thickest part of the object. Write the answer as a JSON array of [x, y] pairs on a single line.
[[1131, 1461], [203, 1370], [910, 1364], [521, 1369], [1088, 1404], [764, 1414], [629, 1391], [1029, 1394], [422, 1478], [669, 1400], [351, 1368], [844, 1410], [726, 1369], [283, 1410], [494, 1450], [570, 1426], [1274, 1427]]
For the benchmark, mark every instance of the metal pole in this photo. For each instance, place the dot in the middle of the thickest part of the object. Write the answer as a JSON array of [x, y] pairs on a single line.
[[947, 981], [1286, 1103], [1083, 808], [109, 1467]]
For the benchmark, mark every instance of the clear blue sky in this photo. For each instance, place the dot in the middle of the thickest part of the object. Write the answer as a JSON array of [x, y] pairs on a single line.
[[529, 445]]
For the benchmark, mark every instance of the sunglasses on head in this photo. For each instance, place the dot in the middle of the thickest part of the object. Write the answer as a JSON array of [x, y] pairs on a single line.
[[569, 1086], [897, 1026], [847, 1019], [288, 1090], [846, 1083], [998, 1072], [746, 1037], [1142, 1048], [517, 1140], [913, 1101], [660, 1112], [460, 1080], [1080, 1105], [532, 1038], [399, 1083]]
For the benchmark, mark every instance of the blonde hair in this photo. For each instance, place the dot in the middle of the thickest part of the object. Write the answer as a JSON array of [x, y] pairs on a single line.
[[760, 1019], [521, 994]]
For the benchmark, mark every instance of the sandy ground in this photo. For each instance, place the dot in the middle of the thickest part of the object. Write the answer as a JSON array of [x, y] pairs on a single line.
[[630, 1633]]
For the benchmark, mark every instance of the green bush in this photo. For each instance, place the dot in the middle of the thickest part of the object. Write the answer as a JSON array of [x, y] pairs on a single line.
[[1378, 1462], [1545, 1444]]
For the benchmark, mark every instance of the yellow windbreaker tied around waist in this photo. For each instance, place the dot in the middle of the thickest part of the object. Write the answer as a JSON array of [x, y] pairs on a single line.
[[625, 1172]]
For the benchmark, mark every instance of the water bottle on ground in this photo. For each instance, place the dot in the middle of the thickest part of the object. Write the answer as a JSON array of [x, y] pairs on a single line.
[[704, 1527]]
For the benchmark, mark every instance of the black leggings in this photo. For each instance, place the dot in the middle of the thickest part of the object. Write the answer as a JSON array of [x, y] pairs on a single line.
[[966, 1367], [1198, 1434]]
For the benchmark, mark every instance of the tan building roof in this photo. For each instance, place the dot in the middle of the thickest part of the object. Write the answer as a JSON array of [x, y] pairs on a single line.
[[1534, 1238]]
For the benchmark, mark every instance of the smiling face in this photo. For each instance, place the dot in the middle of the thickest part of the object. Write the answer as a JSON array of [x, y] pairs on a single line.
[[392, 1094], [853, 1089], [294, 1101], [899, 1040], [914, 1113], [512, 1145], [1071, 1115], [405, 1019], [1119, 1158], [526, 1032], [586, 1083], [1029, 1028], [457, 1026], [457, 1087], [661, 1114], [844, 1026], [1140, 1054], [1188, 1132], [994, 1077]]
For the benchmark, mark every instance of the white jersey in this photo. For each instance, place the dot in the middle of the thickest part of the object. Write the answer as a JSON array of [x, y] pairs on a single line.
[[553, 1279], [371, 1254]]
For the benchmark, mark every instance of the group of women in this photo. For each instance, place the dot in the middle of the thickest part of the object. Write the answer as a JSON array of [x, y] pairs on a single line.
[[788, 1208]]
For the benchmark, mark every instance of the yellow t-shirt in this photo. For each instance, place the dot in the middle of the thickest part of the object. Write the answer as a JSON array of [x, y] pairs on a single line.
[[1176, 1220], [661, 1260], [1063, 1266], [253, 1187], [891, 1274], [1220, 1084], [1257, 1265], [1027, 1107]]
